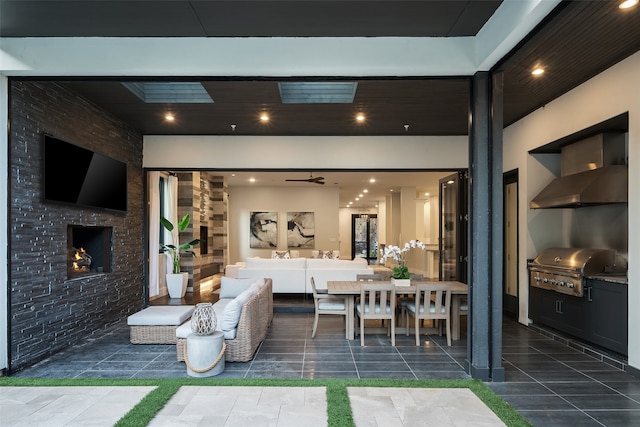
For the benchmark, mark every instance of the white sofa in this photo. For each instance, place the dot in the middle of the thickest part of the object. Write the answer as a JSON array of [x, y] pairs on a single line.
[[243, 312], [324, 270], [293, 275], [288, 275]]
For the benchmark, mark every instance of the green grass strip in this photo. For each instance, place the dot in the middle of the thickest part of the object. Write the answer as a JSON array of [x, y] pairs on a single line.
[[339, 411]]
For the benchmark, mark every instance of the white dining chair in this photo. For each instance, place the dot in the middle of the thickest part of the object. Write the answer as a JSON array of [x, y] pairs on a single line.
[[327, 304], [432, 302], [377, 302]]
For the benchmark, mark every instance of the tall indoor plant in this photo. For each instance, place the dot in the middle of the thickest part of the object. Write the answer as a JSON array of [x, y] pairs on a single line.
[[177, 280]]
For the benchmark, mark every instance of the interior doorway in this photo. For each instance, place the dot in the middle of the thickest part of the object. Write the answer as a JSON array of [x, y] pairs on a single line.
[[364, 237], [454, 220], [510, 262]]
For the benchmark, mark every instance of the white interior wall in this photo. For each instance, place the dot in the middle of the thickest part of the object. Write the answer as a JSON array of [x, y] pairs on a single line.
[[303, 152], [244, 200], [613, 92]]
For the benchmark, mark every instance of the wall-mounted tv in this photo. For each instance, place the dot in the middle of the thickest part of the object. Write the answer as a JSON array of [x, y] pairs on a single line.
[[78, 176]]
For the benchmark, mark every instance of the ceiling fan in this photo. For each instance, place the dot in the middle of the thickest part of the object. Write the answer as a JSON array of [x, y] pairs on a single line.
[[316, 180]]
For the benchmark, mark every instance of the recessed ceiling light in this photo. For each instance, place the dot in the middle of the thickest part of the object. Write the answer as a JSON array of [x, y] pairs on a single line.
[[627, 4], [538, 71], [427, 194], [365, 191], [169, 117], [357, 198], [372, 180], [252, 180], [360, 195]]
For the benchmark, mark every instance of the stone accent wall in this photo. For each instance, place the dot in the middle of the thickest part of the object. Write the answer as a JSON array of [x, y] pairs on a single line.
[[48, 312], [220, 228], [204, 196]]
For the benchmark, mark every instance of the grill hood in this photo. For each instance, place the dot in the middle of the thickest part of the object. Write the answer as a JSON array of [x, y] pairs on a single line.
[[595, 187], [593, 173]]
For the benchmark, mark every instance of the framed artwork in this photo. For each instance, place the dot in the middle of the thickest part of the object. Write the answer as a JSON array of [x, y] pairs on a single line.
[[301, 230], [263, 230]]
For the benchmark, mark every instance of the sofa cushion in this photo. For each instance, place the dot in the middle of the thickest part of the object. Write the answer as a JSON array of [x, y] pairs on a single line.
[[336, 264], [280, 254], [161, 315], [184, 330], [279, 264], [233, 310], [231, 288]]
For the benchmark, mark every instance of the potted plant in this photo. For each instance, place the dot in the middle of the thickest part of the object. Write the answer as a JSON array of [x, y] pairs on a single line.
[[401, 275], [177, 281]]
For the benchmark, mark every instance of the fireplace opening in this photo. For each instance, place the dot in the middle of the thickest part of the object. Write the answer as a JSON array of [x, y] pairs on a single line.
[[88, 250]]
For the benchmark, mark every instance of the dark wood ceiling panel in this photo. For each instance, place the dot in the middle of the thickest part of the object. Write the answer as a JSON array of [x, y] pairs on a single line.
[[62, 18], [577, 41], [582, 40], [211, 18]]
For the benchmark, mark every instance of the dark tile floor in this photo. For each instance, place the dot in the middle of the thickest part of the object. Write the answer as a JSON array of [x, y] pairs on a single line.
[[548, 382]]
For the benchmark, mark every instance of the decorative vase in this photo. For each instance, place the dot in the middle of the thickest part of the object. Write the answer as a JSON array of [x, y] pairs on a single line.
[[203, 319], [177, 284], [401, 282]]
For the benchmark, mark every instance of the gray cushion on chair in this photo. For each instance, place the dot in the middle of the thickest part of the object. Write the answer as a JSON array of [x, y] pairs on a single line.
[[376, 309], [331, 304], [411, 306]]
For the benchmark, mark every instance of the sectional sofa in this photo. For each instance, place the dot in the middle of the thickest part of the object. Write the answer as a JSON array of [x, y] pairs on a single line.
[[293, 275]]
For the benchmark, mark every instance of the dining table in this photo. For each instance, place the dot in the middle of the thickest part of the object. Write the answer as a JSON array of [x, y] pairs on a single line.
[[351, 289]]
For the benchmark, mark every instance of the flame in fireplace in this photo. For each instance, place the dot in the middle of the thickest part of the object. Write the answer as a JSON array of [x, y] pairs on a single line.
[[82, 260]]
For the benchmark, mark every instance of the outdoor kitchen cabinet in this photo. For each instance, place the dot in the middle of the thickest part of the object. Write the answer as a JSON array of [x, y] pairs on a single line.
[[607, 313], [565, 313], [599, 317]]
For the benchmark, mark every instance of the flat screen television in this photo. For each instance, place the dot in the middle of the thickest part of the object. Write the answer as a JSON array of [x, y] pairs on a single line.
[[77, 176]]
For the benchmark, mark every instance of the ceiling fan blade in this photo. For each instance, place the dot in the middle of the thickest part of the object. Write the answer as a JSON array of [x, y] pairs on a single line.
[[316, 180]]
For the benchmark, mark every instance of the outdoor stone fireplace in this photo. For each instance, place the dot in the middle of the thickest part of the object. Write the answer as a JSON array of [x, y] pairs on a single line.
[[88, 250]]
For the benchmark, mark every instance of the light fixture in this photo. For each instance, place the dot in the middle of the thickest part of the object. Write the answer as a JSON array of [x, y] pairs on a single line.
[[450, 181], [360, 117], [538, 71], [264, 117], [406, 128], [252, 180], [169, 117], [372, 180], [360, 195], [427, 194], [364, 216], [365, 191], [627, 4], [233, 128]]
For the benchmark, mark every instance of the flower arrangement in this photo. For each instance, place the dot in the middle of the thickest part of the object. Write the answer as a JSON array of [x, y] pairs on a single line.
[[401, 271]]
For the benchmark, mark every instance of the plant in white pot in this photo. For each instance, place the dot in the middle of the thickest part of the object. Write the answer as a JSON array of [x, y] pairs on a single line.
[[177, 280]]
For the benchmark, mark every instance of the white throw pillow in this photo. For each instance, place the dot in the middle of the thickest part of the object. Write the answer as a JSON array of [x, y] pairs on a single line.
[[231, 288], [280, 255], [233, 310]]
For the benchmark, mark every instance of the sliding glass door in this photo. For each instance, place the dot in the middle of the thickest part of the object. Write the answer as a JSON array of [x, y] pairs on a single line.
[[364, 237]]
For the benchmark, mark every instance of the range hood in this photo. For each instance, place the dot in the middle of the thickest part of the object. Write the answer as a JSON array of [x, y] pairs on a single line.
[[593, 173]]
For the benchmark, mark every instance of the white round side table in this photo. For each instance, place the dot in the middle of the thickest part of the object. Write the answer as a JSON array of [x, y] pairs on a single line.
[[204, 354]]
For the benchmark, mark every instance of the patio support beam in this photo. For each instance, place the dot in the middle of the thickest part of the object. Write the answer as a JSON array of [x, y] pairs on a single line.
[[484, 351]]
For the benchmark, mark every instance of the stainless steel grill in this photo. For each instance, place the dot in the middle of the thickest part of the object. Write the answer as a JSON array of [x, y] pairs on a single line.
[[565, 269]]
